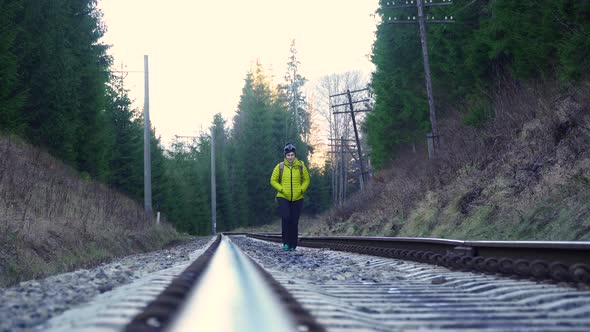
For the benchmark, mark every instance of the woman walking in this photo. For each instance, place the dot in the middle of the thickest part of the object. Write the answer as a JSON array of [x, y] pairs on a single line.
[[291, 179]]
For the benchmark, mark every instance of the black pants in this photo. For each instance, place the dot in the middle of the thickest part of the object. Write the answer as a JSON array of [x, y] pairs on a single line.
[[290, 212]]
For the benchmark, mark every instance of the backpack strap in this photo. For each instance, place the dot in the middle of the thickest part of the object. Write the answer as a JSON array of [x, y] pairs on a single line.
[[301, 171], [281, 167]]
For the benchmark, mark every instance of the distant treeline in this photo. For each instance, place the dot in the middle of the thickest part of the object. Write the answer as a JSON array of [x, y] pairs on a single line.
[[489, 43], [58, 92], [245, 157]]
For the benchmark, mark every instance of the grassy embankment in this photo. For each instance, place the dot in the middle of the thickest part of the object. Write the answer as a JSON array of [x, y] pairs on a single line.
[[53, 221], [525, 175]]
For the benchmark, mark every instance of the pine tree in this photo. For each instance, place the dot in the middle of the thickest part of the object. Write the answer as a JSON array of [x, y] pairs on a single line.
[[491, 42], [225, 206], [63, 68], [126, 161], [297, 121], [160, 185], [318, 197], [186, 203], [11, 97], [90, 64], [254, 159], [400, 113]]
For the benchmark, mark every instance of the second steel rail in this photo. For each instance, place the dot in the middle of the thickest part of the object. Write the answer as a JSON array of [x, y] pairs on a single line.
[[545, 261]]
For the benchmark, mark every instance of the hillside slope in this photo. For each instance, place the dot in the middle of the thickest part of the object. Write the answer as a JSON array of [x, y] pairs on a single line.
[[52, 220], [525, 176]]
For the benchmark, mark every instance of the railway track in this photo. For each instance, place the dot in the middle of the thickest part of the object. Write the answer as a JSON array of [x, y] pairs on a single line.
[[544, 261], [249, 284], [371, 293]]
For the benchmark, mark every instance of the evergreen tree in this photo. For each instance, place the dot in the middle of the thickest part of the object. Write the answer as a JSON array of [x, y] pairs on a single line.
[[63, 68], [47, 70], [126, 161], [318, 196], [297, 122], [225, 206], [11, 99], [186, 203], [400, 113], [160, 184], [574, 46], [254, 160], [491, 42], [203, 168], [93, 139]]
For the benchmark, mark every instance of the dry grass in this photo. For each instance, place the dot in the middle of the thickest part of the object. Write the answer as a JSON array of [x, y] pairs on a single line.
[[52, 221], [524, 175]]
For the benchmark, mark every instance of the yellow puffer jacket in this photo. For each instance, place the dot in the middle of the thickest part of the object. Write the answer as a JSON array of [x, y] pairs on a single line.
[[291, 187]]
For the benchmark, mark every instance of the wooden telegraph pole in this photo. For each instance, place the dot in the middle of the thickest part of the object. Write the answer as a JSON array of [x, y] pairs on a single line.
[[433, 138], [352, 111], [339, 183]]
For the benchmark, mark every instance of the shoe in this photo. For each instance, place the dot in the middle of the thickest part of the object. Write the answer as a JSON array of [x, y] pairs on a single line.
[[285, 247], [292, 249]]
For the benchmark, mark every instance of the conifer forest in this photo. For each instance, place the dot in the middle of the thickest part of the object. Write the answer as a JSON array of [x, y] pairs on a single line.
[[59, 91]]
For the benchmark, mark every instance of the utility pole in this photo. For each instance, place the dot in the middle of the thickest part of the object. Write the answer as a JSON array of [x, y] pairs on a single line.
[[350, 103], [338, 149], [334, 156], [147, 168], [358, 142], [339, 187], [213, 186], [433, 137], [339, 175]]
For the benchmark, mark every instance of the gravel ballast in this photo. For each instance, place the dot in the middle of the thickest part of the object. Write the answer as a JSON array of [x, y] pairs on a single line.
[[31, 303]]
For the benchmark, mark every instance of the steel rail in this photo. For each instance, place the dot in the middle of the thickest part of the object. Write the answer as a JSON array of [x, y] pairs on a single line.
[[223, 290], [540, 260], [232, 288]]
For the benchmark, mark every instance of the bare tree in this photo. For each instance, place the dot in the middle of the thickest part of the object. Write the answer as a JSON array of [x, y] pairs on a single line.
[[335, 126]]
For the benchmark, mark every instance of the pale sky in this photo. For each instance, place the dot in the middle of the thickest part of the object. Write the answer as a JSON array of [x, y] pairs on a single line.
[[200, 51]]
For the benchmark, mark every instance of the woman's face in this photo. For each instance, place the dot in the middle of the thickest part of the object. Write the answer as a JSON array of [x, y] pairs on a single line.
[[290, 156]]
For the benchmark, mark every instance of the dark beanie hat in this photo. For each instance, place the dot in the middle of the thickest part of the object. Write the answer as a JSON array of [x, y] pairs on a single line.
[[289, 148]]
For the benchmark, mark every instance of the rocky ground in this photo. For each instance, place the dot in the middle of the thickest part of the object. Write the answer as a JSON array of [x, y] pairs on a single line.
[[313, 265], [33, 302], [358, 291], [353, 292]]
